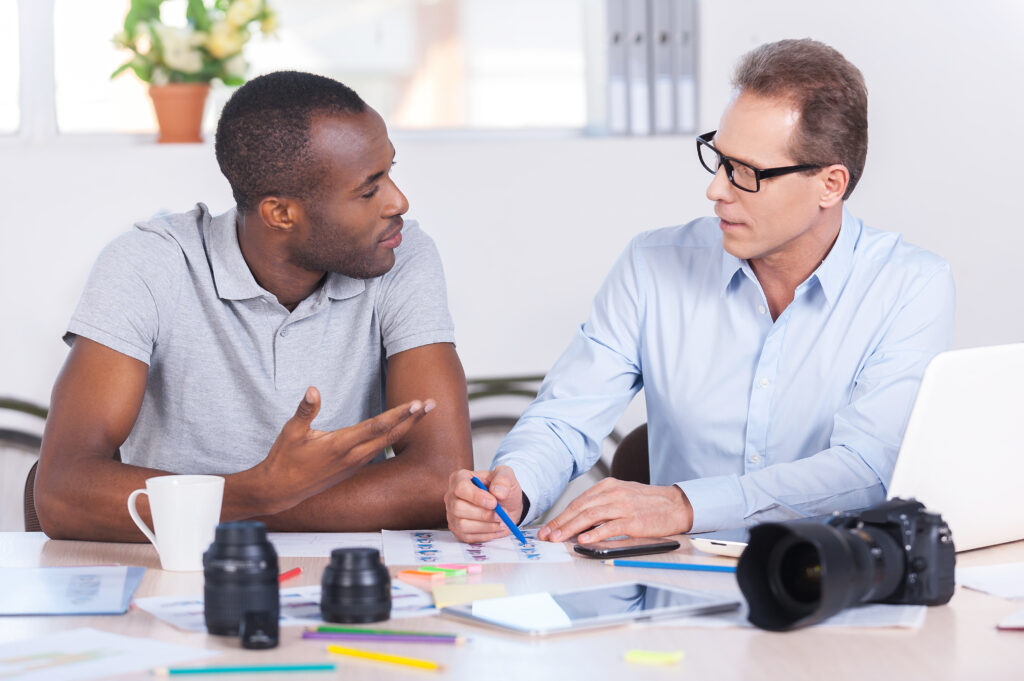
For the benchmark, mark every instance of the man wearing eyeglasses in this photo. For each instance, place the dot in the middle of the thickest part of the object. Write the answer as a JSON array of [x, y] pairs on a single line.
[[780, 344]]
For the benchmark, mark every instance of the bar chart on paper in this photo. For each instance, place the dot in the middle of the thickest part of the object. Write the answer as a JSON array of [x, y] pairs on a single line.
[[429, 547]]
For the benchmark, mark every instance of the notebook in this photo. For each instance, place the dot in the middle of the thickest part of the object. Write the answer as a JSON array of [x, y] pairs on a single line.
[[962, 453]]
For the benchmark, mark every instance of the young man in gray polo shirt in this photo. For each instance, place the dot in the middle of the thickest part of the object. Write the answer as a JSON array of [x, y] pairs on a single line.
[[197, 336]]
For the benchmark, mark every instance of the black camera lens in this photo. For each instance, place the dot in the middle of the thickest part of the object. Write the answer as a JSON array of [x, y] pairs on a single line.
[[356, 587], [241, 586], [799, 573]]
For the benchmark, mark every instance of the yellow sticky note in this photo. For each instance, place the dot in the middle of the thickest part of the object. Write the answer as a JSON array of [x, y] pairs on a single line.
[[653, 657], [456, 594]]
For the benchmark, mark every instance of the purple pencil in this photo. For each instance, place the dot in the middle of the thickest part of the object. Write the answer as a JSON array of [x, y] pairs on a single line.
[[386, 638]]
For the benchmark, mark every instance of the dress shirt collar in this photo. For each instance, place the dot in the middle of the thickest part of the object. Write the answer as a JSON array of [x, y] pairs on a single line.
[[232, 275], [831, 274]]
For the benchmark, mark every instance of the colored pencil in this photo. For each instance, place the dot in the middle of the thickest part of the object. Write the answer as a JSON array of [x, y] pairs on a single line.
[[383, 638], [501, 513], [383, 657], [294, 572], [670, 566], [244, 669], [330, 629]]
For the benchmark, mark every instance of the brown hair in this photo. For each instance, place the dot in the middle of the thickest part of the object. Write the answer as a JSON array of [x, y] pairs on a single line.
[[829, 92]]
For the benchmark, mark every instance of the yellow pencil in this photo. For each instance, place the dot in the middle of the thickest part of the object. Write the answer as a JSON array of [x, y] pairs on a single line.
[[383, 657]]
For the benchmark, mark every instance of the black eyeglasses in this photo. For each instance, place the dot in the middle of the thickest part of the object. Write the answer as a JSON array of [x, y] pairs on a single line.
[[742, 175]]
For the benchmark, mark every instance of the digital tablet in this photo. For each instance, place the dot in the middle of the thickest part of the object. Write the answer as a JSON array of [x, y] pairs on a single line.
[[547, 613]]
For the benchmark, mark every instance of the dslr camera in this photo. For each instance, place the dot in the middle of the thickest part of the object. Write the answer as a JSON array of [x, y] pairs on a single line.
[[798, 573]]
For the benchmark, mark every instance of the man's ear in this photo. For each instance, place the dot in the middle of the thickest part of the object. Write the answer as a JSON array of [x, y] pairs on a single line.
[[835, 180], [279, 213]]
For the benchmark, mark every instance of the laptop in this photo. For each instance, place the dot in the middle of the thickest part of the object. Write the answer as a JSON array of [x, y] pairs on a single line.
[[963, 450], [962, 453]]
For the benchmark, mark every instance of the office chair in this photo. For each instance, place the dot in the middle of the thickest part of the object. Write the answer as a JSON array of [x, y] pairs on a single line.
[[631, 461], [19, 451]]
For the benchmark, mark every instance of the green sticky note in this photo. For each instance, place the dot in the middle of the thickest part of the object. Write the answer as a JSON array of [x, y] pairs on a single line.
[[448, 572], [653, 657]]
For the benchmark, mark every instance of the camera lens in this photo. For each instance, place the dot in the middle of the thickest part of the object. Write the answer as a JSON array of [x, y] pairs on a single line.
[[356, 587], [240, 569], [799, 573]]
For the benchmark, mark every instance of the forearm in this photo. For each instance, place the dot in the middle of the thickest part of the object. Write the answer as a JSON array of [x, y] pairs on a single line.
[[87, 498], [404, 492], [834, 479]]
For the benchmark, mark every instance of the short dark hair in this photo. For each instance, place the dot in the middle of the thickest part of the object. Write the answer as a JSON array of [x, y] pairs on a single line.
[[827, 89], [263, 135]]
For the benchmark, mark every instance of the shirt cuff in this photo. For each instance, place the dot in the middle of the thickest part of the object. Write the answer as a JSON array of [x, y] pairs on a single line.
[[717, 502]]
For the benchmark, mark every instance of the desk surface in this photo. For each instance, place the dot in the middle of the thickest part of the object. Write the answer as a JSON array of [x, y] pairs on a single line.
[[958, 640]]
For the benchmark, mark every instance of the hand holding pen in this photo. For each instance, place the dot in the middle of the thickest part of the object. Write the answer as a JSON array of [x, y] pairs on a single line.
[[473, 507]]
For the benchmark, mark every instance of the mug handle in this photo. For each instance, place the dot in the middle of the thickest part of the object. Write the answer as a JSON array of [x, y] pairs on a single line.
[[138, 519]]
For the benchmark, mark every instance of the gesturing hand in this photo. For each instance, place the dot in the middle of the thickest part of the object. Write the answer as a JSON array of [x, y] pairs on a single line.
[[614, 507], [303, 462]]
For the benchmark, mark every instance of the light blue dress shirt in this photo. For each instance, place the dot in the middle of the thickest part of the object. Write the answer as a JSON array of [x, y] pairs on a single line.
[[754, 420]]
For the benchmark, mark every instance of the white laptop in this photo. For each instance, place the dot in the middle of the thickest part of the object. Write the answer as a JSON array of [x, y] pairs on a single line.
[[963, 450], [962, 453]]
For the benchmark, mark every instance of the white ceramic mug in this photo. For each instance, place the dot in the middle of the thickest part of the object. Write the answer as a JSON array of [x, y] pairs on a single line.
[[185, 510]]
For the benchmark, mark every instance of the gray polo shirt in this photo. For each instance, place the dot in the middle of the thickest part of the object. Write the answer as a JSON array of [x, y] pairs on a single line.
[[228, 364]]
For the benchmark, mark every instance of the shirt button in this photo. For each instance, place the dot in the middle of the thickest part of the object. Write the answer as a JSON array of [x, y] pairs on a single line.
[[754, 458], [284, 332], [764, 382], [761, 309]]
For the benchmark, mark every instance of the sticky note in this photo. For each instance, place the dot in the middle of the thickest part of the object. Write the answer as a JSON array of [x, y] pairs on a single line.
[[473, 569], [446, 571], [418, 576], [456, 594], [653, 657]]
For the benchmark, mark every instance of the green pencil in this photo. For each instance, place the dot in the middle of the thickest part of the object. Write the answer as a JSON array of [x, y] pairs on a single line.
[[382, 632], [242, 669]]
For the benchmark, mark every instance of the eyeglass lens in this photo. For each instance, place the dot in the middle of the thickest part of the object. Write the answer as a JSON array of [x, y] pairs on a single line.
[[740, 174]]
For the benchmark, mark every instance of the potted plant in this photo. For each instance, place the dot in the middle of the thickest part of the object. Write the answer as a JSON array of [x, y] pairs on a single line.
[[179, 62]]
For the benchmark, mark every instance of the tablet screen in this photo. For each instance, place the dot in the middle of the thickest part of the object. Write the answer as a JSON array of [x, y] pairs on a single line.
[[545, 612]]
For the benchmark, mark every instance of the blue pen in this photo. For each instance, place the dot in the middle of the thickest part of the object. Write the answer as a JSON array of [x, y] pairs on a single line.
[[700, 567], [501, 513]]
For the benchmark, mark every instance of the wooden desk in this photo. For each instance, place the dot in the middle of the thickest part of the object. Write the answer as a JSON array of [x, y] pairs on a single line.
[[958, 641]]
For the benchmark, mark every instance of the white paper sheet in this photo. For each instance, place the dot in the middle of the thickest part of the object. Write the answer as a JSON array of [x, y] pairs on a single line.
[[320, 544], [874, 615], [85, 590], [1005, 580], [429, 547], [299, 607], [88, 654]]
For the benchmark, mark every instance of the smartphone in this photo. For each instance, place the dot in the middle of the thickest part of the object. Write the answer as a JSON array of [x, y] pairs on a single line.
[[628, 546]]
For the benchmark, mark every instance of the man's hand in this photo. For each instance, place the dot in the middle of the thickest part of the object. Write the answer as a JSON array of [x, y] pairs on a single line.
[[471, 516], [614, 507], [304, 462]]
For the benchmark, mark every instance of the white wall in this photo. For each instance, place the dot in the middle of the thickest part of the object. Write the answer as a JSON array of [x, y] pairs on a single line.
[[528, 227]]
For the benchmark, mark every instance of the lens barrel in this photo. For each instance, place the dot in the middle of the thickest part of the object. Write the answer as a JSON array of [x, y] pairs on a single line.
[[799, 573], [356, 587], [241, 590]]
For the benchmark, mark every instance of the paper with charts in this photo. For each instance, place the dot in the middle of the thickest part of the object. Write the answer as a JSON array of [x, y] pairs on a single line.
[[426, 547]]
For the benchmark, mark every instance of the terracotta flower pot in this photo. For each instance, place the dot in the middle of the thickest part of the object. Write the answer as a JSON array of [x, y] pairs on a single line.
[[179, 110]]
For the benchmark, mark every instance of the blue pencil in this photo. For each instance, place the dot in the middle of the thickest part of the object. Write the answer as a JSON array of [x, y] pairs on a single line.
[[670, 566], [501, 513]]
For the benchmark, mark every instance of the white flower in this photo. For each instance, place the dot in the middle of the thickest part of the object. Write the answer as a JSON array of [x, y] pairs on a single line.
[[241, 12], [225, 40], [179, 48], [159, 77], [236, 67]]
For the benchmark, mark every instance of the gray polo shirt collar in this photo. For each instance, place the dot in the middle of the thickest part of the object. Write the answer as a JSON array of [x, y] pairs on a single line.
[[231, 274]]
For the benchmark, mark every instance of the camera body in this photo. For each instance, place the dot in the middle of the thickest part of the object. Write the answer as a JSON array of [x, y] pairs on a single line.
[[929, 555], [798, 573]]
